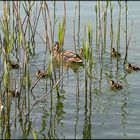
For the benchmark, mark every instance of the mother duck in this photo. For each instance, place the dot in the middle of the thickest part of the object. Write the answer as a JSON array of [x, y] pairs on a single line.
[[66, 55]]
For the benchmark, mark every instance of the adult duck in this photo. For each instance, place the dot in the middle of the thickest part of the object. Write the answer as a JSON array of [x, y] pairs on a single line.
[[66, 55]]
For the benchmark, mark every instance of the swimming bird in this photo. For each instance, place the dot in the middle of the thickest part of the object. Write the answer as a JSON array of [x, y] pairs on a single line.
[[114, 53], [114, 85], [129, 67], [66, 55], [13, 64], [41, 73], [12, 93]]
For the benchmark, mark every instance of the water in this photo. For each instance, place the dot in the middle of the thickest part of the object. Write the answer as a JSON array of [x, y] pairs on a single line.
[[101, 113]]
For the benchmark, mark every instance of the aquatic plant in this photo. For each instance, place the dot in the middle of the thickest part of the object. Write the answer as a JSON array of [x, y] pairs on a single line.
[[61, 32], [105, 22], [88, 54], [96, 11], [118, 29], [126, 45], [111, 26]]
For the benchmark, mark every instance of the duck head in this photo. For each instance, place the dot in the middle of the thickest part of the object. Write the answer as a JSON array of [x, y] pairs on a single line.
[[111, 82], [56, 48], [38, 71], [128, 65], [113, 49]]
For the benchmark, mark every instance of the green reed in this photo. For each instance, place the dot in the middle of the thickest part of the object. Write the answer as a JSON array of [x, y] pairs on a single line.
[[36, 17], [78, 41], [48, 38], [126, 45], [87, 44], [73, 23], [10, 34], [6, 47], [47, 22], [88, 53], [30, 27], [105, 22], [100, 23], [34, 133], [14, 39], [61, 32], [54, 20], [118, 29], [26, 79], [96, 11], [49, 32], [78, 33], [111, 26], [101, 26]]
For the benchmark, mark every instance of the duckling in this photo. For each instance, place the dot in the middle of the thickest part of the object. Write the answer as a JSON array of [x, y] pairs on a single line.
[[41, 73], [115, 86], [66, 55], [56, 46], [56, 50], [13, 93], [114, 53], [130, 67], [13, 64]]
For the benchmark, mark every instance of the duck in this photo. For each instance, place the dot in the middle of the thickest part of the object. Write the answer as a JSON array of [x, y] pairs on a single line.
[[66, 55], [114, 53], [130, 67], [13, 93], [56, 50], [41, 73], [115, 86], [13, 64]]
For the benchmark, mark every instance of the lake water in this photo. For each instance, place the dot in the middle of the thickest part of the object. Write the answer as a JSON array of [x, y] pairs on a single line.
[[99, 112]]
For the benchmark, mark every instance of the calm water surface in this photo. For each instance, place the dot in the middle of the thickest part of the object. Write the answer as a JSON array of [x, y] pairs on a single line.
[[101, 113]]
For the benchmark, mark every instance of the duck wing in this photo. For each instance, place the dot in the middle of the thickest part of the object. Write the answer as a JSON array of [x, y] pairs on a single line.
[[71, 54]]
